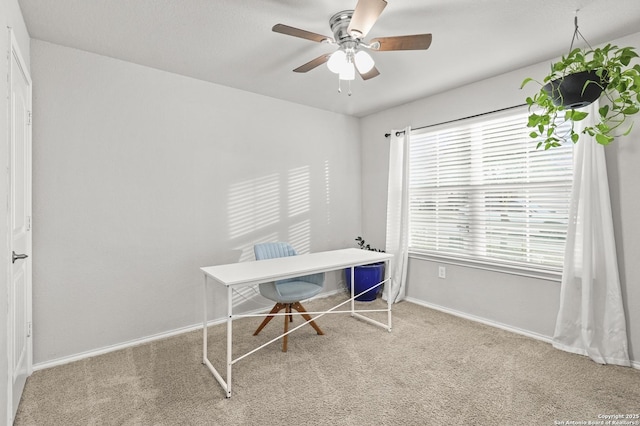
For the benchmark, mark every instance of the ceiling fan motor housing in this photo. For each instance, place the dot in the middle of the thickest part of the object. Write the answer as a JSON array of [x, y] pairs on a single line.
[[339, 24]]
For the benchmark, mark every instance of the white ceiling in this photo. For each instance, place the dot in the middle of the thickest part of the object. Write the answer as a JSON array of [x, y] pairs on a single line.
[[231, 42]]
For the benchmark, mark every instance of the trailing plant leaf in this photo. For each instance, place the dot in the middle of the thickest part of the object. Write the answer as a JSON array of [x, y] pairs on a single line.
[[526, 80], [574, 115], [603, 139]]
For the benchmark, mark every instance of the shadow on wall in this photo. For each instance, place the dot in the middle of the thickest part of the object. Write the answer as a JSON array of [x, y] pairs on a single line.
[[273, 207]]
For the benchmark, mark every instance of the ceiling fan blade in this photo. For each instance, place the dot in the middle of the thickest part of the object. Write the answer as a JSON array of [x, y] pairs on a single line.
[[313, 63], [296, 32], [373, 72], [408, 42], [364, 16]]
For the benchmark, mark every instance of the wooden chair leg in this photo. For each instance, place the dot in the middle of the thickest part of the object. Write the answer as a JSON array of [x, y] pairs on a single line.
[[286, 327], [288, 317], [277, 308], [298, 307]]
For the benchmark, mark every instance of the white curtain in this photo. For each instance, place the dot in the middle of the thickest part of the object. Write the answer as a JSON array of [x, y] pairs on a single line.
[[591, 318], [398, 214]]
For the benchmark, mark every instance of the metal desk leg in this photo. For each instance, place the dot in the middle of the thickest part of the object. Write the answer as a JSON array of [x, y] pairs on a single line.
[[387, 275], [353, 283], [204, 322], [229, 338], [205, 360]]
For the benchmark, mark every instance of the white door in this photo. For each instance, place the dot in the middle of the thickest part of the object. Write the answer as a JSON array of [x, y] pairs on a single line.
[[19, 324]]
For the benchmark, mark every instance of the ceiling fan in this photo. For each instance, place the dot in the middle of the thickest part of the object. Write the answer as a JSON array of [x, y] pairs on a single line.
[[349, 28]]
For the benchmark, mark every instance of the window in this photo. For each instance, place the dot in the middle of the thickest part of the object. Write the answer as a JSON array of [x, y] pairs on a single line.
[[480, 191]]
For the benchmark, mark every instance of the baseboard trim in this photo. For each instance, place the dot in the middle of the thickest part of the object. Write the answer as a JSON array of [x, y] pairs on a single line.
[[148, 339], [527, 333], [481, 320], [159, 336], [124, 345]]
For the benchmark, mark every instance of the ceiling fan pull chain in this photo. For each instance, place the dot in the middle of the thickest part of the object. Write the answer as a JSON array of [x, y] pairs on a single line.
[[339, 88], [349, 82]]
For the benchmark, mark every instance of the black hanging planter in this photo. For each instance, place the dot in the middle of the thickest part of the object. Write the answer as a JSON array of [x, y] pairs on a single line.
[[572, 91]]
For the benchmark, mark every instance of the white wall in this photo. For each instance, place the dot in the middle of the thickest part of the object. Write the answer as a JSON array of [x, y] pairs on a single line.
[[525, 303], [141, 177], [10, 16]]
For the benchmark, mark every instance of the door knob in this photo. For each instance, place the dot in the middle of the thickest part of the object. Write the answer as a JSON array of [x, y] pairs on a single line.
[[18, 256]]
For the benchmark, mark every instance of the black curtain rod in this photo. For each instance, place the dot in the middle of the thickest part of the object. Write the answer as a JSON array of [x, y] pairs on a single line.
[[398, 133]]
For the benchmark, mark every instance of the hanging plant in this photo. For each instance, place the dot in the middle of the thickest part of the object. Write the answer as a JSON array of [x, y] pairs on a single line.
[[577, 80]]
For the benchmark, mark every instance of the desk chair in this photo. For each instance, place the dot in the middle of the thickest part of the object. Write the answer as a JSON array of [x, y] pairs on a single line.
[[287, 293]]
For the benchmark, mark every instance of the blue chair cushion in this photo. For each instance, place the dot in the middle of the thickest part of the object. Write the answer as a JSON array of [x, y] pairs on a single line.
[[290, 291]]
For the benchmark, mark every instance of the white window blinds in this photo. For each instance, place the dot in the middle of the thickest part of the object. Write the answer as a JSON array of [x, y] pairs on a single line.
[[481, 191]]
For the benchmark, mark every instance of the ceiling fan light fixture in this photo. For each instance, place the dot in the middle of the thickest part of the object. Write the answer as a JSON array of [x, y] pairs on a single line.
[[364, 62], [337, 62], [348, 72]]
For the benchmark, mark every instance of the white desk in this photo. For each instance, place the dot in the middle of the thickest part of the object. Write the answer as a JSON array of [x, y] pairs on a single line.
[[236, 275]]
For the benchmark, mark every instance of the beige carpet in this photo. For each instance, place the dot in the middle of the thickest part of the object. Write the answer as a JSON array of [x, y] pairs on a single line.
[[433, 369]]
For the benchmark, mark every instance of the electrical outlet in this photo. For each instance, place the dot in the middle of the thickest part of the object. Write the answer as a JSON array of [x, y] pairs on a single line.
[[442, 272]]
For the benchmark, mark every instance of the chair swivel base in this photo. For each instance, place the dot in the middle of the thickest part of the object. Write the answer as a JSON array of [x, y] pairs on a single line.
[[288, 318]]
